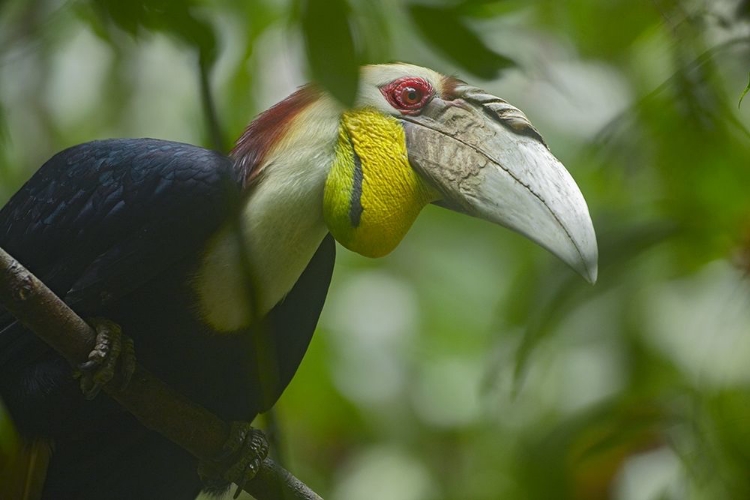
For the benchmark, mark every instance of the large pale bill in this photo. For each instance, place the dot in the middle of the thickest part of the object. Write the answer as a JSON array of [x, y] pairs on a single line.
[[488, 161]]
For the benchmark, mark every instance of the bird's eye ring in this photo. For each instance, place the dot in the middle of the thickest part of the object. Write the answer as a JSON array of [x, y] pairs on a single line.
[[408, 95]]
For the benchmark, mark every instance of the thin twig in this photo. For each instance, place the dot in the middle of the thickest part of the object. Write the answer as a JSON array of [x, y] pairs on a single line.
[[215, 134], [149, 399]]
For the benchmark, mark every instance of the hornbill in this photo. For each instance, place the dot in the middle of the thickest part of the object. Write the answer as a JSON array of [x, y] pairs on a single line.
[[218, 266]]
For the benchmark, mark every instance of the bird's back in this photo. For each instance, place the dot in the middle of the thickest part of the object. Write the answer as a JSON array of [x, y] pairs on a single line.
[[117, 229]]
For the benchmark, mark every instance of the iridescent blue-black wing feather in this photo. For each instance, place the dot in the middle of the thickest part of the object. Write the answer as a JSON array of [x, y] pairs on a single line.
[[98, 220], [119, 198]]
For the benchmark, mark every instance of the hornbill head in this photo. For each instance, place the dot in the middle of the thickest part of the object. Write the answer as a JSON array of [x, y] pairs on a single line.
[[416, 137], [413, 137]]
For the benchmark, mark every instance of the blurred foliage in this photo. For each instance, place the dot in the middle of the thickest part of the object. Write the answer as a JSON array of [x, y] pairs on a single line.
[[331, 52], [469, 364], [435, 22]]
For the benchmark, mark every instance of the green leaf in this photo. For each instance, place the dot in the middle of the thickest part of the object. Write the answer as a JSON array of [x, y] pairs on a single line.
[[744, 93], [444, 28], [331, 53]]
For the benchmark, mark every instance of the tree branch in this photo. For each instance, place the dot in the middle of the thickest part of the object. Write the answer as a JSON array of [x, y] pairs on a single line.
[[152, 402]]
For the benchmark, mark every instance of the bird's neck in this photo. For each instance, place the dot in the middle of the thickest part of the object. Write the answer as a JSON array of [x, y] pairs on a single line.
[[282, 217], [372, 195]]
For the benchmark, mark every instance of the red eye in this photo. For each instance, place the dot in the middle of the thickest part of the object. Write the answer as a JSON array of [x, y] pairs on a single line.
[[408, 95]]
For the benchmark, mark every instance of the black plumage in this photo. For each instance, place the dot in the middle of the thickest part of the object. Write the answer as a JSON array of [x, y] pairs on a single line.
[[117, 228]]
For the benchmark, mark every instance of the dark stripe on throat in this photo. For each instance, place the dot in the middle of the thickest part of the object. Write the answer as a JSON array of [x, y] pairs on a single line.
[[355, 206]]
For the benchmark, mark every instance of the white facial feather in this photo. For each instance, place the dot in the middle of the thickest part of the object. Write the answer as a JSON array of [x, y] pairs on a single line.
[[373, 77], [283, 216], [283, 224]]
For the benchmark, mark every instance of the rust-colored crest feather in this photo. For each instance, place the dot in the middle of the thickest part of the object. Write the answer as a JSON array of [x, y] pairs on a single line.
[[265, 131]]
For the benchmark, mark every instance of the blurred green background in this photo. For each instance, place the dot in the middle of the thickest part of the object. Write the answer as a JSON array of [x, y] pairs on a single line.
[[469, 364]]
